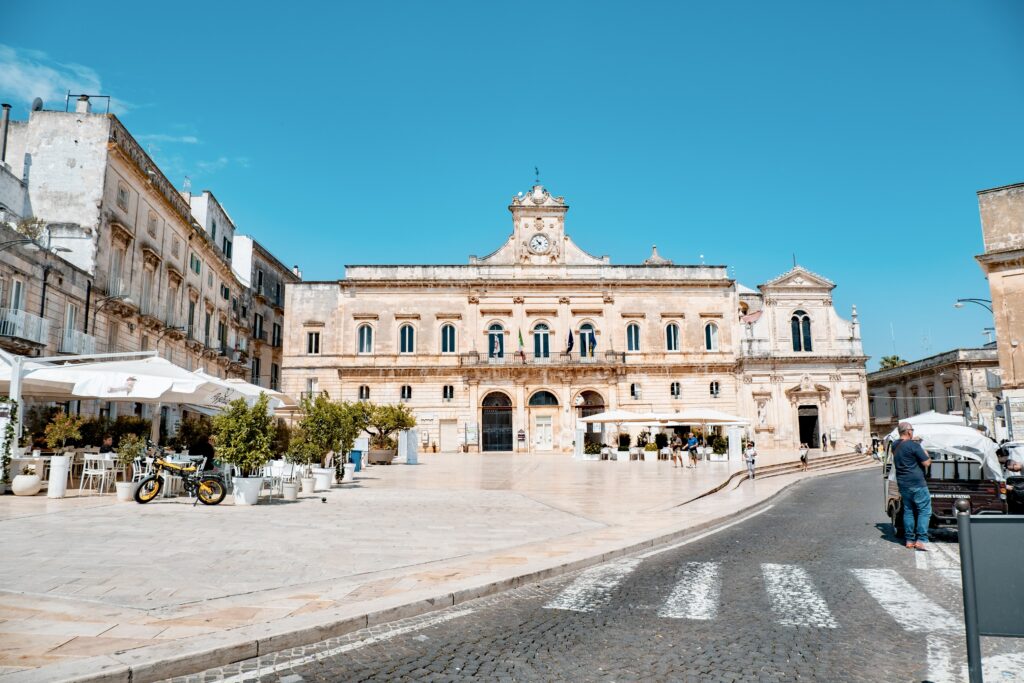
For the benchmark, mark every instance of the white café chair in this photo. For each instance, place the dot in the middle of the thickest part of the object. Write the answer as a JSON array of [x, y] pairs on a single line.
[[97, 471]]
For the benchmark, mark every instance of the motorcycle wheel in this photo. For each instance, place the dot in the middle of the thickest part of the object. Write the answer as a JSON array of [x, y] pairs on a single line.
[[149, 488], [210, 491]]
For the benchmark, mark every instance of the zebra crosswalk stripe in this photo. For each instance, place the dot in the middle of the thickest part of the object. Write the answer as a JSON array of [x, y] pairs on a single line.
[[695, 595], [911, 609], [593, 588], [794, 598]]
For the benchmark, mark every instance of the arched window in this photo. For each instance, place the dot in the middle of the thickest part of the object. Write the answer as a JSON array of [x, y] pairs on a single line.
[[711, 337], [364, 393], [800, 327], [496, 341], [406, 392], [447, 338], [634, 392], [543, 398], [448, 392], [714, 390], [365, 339], [588, 340], [675, 389], [541, 341], [632, 337], [407, 335], [672, 337]]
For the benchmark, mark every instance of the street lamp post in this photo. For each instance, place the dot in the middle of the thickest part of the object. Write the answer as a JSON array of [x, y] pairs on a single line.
[[984, 303]]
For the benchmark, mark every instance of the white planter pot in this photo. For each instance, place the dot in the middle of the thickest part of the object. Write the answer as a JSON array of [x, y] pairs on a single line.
[[650, 456], [621, 456], [324, 476], [125, 491], [58, 485], [26, 485], [247, 490], [290, 490]]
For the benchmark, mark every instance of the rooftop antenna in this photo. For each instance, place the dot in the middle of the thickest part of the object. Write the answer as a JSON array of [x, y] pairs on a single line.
[[794, 259], [536, 176]]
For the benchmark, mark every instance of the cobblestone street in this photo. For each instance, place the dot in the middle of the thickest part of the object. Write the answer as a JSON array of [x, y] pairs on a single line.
[[809, 588]]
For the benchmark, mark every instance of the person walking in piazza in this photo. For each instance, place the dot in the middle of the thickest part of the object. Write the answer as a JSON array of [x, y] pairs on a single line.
[[750, 455], [803, 456], [824, 443], [910, 461], [691, 448], [677, 451]]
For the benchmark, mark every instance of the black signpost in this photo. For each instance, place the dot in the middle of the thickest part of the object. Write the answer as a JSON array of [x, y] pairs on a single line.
[[992, 568]]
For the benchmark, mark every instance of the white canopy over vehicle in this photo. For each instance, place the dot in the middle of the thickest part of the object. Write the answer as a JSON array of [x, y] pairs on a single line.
[[959, 441]]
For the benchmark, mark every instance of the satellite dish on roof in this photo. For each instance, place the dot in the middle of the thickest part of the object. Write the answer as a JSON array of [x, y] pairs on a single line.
[[37, 104]]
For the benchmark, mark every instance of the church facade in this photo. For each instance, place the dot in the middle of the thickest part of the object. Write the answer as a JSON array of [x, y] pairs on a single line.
[[508, 352]]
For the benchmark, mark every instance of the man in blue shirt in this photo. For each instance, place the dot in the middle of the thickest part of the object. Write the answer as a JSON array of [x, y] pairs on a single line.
[[910, 461]]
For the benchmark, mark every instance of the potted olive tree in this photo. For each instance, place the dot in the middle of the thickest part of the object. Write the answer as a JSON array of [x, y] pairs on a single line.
[[129, 450], [244, 437], [304, 453], [62, 428], [383, 421]]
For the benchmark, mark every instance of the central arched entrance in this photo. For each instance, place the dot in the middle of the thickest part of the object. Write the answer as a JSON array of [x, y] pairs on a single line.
[[591, 403], [496, 421]]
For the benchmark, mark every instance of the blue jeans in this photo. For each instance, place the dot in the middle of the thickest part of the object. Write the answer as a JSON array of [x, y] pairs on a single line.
[[916, 502]]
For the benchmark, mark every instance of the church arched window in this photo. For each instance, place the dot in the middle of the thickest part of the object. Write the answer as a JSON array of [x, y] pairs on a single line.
[[800, 327], [632, 337]]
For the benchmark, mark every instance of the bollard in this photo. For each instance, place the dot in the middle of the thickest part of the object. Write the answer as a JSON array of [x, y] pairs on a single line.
[[963, 526]]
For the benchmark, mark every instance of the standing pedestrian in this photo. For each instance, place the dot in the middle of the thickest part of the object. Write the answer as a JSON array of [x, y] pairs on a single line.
[[803, 456], [691, 449], [824, 443], [910, 461], [750, 454], [677, 451]]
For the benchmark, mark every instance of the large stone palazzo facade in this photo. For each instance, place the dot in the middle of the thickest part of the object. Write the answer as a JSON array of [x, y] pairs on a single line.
[[481, 352]]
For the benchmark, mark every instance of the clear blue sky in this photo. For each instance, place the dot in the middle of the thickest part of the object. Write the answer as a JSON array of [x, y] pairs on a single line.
[[854, 135]]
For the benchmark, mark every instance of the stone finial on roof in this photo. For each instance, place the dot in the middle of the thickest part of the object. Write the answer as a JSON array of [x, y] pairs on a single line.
[[656, 259]]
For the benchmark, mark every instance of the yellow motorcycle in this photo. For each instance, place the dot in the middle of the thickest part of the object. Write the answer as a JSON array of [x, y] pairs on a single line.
[[205, 487]]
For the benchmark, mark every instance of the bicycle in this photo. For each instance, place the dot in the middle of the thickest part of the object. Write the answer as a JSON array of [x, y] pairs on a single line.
[[205, 487]]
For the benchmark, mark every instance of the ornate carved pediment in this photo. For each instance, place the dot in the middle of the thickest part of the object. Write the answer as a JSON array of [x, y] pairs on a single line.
[[120, 233], [150, 256], [808, 391], [798, 278]]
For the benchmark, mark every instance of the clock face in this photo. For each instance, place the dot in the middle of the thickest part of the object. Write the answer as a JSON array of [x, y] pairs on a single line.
[[539, 244]]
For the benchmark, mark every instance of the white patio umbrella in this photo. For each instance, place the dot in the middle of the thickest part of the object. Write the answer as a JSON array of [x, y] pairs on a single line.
[[146, 380], [250, 392], [616, 416]]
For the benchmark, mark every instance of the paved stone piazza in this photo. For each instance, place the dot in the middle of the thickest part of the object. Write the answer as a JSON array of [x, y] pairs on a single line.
[[88, 576]]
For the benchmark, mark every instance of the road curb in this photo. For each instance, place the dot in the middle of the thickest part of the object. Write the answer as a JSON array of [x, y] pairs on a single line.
[[198, 653]]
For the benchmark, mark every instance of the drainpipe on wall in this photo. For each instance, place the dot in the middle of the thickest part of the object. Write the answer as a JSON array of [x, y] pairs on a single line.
[[5, 120]]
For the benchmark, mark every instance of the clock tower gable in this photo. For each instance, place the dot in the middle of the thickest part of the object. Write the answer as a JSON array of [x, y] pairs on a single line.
[[538, 233]]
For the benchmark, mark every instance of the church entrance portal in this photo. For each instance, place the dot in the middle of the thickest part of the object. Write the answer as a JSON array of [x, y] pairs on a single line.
[[497, 422], [808, 421]]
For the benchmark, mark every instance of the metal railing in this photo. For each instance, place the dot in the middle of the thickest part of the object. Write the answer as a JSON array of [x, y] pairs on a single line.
[[21, 325], [74, 341], [563, 358]]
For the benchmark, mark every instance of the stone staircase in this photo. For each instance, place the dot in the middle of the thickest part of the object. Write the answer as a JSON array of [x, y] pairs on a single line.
[[820, 462], [816, 463]]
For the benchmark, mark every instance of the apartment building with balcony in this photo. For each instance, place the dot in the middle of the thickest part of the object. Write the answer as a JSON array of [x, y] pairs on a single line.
[[153, 267], [265, 277], [536, 335]]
